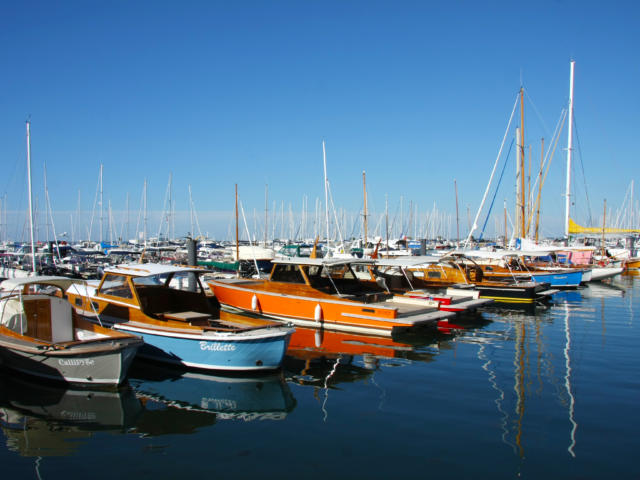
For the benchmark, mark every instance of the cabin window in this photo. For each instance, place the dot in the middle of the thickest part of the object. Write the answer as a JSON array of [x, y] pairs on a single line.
[[287, 273], [340, 271], [434, 275], [116, 286], [151, 281], [187, 281]]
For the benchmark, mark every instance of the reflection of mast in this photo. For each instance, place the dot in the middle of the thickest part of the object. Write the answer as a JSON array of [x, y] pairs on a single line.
[[567, 383], [486, 366], [519, 381], [326, 387]]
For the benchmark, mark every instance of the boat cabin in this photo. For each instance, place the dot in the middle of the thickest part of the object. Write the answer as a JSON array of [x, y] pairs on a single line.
[[330, 276], [163, 292]]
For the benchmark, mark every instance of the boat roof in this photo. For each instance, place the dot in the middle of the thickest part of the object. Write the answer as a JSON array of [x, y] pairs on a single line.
[[406, 261], [329, 262], [151, 269], [15, 283], [501, 253]]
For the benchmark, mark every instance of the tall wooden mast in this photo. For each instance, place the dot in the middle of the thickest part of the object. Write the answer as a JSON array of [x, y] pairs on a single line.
[[522, 192]]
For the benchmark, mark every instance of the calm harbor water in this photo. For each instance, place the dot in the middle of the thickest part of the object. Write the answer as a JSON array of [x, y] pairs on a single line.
[[551, 393]]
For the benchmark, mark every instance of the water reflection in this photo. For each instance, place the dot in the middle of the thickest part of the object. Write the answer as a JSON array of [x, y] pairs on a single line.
[[323, 359], [48, 419], [40, 419], [165, 392], [524, 356]]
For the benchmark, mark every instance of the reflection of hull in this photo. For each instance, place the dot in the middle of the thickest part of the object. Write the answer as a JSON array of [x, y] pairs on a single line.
[[226, 396], [41, 420], [602, 290], [309, 343]]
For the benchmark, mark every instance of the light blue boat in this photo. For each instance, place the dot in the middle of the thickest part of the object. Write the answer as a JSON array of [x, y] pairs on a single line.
[[258, 349], [559, 279], [167, 306]]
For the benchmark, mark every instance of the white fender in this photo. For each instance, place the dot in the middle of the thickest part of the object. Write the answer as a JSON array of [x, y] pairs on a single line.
[[317, 315], [254, 303]]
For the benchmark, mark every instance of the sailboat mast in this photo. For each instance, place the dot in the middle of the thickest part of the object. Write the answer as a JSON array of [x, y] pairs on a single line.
[[364, 188], [539, 188], [266, 211], [237, 233], [455, 186], [522, 192], [326, 192], [101, 207], [569, 150], [33, 245], [144, 236], [604, 227], [506, 233]]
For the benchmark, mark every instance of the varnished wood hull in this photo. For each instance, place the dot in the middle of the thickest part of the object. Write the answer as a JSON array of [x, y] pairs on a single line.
[[305, 306]]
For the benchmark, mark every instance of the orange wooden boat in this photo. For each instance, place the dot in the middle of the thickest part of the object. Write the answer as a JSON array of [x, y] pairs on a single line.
[[325, 292]]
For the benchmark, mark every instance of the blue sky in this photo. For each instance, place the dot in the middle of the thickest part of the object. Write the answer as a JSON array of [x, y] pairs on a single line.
[[217, 93]]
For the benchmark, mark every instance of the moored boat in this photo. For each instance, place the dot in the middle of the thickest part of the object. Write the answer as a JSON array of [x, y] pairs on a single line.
[[394, 275], [167, 306], [325, 292], [41, 335], [461, 276]]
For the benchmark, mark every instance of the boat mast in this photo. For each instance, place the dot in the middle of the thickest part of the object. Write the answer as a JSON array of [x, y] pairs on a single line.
[[326, 192], [266, 211], [237, 235], [364, 188], [144, 224], [569, 149], [506, 233], [455, 186], [521, 165], [604, 224], [33, 245], [101, 207], [539, 189]]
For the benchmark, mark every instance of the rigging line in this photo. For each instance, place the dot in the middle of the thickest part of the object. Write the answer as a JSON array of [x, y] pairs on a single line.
[[584, 177], [506, 158], [493, 171], [544, 125], [253, 252], [556, 133], [549, 158]]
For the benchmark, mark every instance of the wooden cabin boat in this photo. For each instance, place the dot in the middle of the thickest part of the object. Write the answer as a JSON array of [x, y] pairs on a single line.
[[167, 306], [458, 276], [514, 265], [41, 335], [325, 292], [393, 274]]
